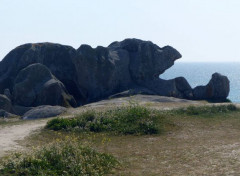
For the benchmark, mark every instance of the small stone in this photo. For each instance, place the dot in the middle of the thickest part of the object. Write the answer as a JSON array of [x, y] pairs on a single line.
[[43, 112]]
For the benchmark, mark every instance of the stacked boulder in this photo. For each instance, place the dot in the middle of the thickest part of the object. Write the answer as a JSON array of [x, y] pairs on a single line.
[[35, 85], [40, 74], [217, 89]]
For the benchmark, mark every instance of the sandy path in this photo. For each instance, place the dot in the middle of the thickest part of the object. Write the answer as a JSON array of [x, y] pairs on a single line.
[[11, 134]]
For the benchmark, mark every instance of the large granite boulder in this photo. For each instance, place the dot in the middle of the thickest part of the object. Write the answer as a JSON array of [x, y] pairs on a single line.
[[217, 89], [5, 103], [147, 60], [178, 87], [48, 74], [102, 72], [57, 58], [35, 85], [44, 112]]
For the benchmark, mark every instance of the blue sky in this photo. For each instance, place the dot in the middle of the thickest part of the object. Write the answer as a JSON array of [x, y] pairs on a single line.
[[201, 30]]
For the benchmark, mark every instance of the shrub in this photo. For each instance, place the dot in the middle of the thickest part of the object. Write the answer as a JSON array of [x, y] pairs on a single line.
[[132, 119], [207, 110], [59, 158]]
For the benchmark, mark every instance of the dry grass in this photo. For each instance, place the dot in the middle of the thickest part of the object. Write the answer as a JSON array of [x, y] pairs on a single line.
[[61, 157], [10, 121], [198, 146]]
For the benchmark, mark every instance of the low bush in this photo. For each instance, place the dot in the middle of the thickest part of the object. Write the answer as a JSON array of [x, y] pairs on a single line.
[[207, 110], [59, 158], [132, 119]]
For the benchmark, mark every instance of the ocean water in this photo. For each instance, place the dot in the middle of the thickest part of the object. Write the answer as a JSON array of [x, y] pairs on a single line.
[[200, 74]]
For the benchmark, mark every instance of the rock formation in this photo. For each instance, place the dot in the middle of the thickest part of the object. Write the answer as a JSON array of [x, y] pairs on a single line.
[[44, 112], [54, 74], [217, 89], [5, 103], [6, 114], [35, 86]]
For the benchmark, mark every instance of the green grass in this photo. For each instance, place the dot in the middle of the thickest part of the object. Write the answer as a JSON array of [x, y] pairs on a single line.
[[59, 158], [133, 119], [206, 111], [71, 158]]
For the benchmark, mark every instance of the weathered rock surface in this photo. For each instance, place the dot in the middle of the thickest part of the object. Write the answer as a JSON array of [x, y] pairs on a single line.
[[58, 59], [134, 91], [146, 60], [5, 103], [43, 112], [217, 89], [177, 87], [20, 110], [35, 85], [8, 94], [102, 72], [91, 74], [6, 114]]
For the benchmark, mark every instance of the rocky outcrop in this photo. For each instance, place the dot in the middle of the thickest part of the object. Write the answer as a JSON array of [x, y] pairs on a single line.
[[178, 87], [35, 86], [217, 89], [57, 58], [5, 103], [43, 112], [54, 74], [134, 91], [146, 60], [7, 93], [102, 72], [20, 110], [6, 114]]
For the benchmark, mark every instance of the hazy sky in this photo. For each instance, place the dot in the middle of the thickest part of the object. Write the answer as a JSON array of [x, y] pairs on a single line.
[[201, 30]]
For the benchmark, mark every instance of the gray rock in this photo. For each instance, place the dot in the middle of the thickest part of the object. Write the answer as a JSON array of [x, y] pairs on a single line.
[[183, 86], [35, 85], [177, 87], [121, 66], [58, 59], [131, 92], [217, 89], [200, 93], [101, 72], [147, 60], [5, 103], [8, 94], [43, 112], [20, 110], [91, 74], [6, 114]]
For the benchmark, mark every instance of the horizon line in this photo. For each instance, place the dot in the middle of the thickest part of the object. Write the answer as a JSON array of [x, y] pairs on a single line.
[[207, 61]]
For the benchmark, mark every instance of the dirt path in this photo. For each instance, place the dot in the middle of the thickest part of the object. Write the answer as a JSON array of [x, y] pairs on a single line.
[[12, 133]]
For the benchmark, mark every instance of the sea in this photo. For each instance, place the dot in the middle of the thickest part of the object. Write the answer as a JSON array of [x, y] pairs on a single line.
[[200, 74]]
